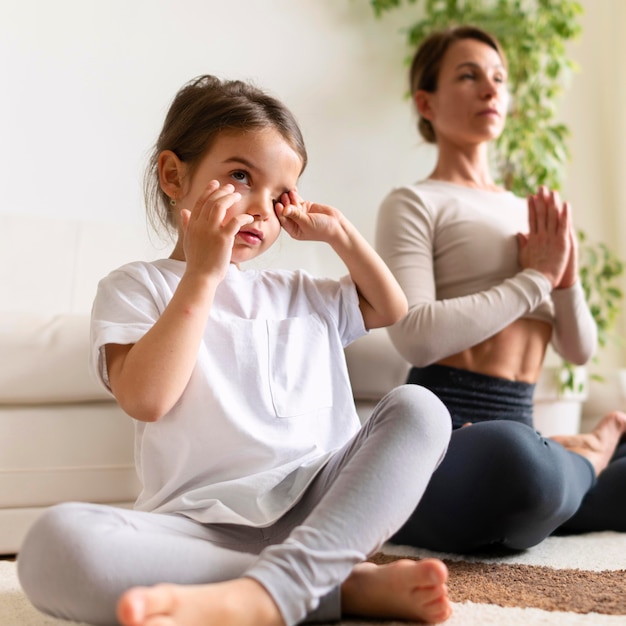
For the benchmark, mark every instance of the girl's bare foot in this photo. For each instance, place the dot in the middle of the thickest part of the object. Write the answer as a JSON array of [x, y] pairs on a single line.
[[404, 589], [218, 604], [599, 445]]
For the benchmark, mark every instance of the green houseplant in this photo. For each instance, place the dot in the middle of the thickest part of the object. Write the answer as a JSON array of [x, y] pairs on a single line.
[[533, 149]]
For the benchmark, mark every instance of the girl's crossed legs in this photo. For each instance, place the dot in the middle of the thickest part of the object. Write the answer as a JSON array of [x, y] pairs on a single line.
[[84, 562]]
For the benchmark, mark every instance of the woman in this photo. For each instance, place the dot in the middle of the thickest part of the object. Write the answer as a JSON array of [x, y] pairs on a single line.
[[491, 280]]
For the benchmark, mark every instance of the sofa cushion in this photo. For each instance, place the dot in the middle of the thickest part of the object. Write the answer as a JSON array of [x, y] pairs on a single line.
[[44, 359], [375, 366], [64, 452]]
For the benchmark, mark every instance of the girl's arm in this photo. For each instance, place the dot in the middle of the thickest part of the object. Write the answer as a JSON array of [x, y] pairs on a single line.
[[147, 378], [381, 299]]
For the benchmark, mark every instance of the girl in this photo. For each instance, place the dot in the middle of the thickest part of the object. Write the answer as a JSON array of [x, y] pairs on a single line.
[[484, 302], [261, 496]]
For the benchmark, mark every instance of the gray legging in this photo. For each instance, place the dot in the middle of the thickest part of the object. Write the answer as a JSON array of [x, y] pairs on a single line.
[[502, 483], [79, 558]]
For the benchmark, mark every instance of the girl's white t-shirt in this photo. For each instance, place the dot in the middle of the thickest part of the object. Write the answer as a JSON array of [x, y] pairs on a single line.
[[268, 401]]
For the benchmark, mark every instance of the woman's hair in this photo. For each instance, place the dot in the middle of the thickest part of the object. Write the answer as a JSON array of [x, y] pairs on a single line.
[[204, 108], [426, 64]]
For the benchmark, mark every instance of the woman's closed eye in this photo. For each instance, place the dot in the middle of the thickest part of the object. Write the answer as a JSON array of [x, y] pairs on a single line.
[[497, 78]]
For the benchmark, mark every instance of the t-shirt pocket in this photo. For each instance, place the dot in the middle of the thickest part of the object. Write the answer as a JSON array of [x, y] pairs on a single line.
[[300, 368]]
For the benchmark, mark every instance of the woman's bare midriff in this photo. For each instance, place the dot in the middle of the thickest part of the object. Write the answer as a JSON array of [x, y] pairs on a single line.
[[515, 353]]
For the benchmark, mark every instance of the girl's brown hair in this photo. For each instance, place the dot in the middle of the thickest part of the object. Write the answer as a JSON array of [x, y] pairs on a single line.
[[426, 64], [205, 107]]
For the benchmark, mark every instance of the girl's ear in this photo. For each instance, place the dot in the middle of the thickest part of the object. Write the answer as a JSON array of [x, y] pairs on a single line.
[[423, 105], [171, 174]]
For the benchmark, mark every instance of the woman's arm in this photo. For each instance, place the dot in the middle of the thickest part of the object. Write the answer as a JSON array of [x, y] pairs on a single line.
[[575, 334], [434, 328], [382, 301]]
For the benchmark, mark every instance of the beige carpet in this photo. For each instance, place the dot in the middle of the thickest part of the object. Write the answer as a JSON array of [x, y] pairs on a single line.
[[517, 582]]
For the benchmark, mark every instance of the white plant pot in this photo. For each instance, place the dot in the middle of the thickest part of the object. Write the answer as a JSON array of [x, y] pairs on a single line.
[[558, 417], [559, 412]]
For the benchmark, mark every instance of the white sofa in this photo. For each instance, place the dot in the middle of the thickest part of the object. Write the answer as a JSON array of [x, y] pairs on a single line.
[[61, 437]]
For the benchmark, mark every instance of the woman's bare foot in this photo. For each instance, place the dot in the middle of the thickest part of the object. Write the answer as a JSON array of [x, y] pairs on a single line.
[[599, 445], [404, 589], [218, 604]]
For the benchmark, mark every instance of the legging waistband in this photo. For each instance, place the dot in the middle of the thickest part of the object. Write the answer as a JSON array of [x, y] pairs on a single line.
[[472, 397]]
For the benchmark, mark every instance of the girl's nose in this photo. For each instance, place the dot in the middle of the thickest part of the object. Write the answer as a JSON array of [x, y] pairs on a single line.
[[261, 206]]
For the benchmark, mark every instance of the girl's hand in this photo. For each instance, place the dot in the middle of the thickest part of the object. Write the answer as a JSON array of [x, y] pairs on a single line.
[[208, 235], [307, 221], [548, 246], [381, 300]]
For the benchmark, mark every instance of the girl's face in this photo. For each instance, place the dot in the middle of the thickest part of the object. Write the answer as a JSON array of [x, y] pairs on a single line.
[[471, 100], [261, 166]]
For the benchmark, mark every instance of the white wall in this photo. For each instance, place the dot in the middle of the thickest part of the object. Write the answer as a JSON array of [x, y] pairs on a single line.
[[595, 110], [86, 84]]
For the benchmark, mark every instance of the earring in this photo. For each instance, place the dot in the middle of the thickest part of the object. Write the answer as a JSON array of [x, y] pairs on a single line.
[[172, 202]]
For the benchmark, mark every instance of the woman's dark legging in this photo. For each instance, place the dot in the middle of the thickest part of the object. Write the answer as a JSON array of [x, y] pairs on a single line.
[[501, 484]]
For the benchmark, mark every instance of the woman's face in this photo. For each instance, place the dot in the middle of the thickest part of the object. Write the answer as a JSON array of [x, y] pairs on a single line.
[[471, 100]]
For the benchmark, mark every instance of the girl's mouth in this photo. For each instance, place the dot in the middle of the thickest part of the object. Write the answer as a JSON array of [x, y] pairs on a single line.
[[251, 236]]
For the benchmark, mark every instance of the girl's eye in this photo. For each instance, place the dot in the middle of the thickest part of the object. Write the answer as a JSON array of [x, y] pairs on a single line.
[[241, 177], [467, 76]]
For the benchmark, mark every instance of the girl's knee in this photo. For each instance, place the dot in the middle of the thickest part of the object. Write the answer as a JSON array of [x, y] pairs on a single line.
[[58, 536], [40, 551], [415, 408], [48, 530], [59, 556]]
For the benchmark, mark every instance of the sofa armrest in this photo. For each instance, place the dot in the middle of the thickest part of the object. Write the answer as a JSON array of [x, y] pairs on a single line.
[[44, 359]]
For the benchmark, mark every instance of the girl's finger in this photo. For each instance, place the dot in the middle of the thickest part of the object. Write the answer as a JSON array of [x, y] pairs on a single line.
[[237, 222], [295, 196], [285, 199], [196, 211], [217, 204], [291, 211], [185, 216]]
